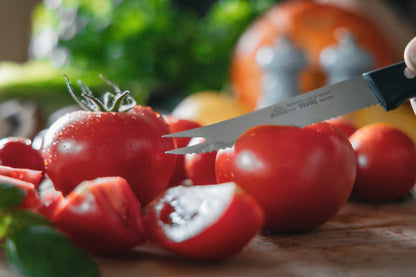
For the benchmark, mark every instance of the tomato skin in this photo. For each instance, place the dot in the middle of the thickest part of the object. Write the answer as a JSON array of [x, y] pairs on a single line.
[[238, 224], [85, 145], [300, 176], [344, 125], [386, 162], [200, 168], [18, 152], [102, 216], [178, 125]]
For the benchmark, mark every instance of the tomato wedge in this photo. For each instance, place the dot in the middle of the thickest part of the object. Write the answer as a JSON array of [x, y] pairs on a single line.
[[209, 222], [103, 216], [28, 175]]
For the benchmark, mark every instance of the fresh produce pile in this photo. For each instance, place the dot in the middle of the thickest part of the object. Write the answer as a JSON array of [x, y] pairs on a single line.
[[98, 182]]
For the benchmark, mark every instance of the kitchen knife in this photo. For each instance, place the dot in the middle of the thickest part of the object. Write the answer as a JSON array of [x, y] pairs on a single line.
[[387, 86]]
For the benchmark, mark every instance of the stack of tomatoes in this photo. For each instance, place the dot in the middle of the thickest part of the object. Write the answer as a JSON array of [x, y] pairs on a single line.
[[104, 179]]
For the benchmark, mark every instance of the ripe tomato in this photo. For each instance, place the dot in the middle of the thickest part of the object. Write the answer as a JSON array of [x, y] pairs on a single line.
[[178, 125], [204, 222], [31, 199], [18, 152], [103, 216], [386, 162], [200, 168], [85, 145], [300, 176], [344, 125]]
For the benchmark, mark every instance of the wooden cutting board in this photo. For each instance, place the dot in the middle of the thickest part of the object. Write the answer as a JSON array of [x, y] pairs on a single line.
[[361, 240]]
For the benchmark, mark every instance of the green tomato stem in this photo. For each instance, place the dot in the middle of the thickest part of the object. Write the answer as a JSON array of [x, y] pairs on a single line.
[[113, 102]]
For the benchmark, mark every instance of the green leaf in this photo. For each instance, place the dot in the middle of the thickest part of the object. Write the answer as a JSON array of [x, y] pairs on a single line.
[[22, 219], [42, 251], [10, 196]]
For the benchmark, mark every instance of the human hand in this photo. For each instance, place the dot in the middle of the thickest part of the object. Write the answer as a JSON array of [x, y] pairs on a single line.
[[410, 61]]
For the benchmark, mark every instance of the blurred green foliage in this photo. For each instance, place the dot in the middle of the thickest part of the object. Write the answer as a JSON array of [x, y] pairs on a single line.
[[163, 49]]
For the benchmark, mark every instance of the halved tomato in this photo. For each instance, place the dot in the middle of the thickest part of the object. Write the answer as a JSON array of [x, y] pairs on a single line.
[[208, 222]]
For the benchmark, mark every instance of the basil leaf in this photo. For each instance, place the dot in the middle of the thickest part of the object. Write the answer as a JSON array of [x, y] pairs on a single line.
[[10, 195], [42, 251], [22, 219]]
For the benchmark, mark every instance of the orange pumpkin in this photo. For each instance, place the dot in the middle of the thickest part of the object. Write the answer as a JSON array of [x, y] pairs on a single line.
[[311, 26]]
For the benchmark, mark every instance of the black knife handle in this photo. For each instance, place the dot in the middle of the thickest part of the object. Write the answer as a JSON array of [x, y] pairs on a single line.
[[391, 86]]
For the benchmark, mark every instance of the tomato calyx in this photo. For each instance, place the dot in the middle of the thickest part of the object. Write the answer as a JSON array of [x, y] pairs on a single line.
[[111, 102]]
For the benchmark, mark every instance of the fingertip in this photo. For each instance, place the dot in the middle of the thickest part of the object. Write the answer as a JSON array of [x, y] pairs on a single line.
[[410, 56], [413, 104]]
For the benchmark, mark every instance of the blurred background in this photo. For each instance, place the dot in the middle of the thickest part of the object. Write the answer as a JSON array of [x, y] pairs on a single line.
[[205, 60]]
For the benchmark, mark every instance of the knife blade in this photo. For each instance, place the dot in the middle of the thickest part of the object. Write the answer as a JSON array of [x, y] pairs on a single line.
[[386, 86]]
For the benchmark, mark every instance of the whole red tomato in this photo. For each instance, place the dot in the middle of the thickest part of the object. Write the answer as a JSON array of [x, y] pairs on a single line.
[[178, 125], [300, 176], [209, 222], [386, 162], [200, 168], [84, 145], [344, 125], [102, 216], [18, 152]]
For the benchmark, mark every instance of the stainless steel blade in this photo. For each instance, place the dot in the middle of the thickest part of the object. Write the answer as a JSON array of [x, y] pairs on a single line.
[[305, 109]]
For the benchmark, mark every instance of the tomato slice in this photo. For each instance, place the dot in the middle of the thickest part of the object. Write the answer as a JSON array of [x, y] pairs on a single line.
[[209, 222], [103, 216], [28, 175]]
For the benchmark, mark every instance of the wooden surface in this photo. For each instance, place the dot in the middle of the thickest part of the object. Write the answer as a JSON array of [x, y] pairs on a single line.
[[362, 240]]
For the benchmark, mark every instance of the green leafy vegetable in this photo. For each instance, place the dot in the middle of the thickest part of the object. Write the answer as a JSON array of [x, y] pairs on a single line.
[[41, 251], [10, 196]]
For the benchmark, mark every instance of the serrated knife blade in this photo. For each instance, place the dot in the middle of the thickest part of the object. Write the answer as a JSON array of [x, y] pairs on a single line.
[[387, 86]]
